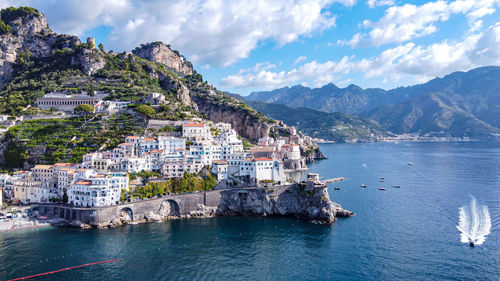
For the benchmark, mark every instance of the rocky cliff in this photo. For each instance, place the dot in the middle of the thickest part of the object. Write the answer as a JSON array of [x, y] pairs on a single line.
[[307, 202], [247, 125], [160, 53], [27, 35]]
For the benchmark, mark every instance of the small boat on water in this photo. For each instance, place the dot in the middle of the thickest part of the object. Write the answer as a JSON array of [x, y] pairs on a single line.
[[363, 185], [410, 164], [382, 188], [381, 180], [396, 186], [336, 188], [471, 243]]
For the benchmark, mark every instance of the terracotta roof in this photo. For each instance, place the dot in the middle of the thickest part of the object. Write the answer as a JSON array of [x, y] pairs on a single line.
[[219, 162], [83, 183], [262, 148], [193, 125], [42, 167], [82, 170], [66, 169], [263, 159], [149, 139], [126, 143], [131, 137], [63, 164]]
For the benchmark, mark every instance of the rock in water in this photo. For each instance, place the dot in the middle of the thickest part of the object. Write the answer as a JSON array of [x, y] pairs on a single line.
[[309, 202]]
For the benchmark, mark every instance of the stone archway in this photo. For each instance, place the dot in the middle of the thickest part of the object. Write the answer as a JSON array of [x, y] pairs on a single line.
[[126, 214], [169, 208]]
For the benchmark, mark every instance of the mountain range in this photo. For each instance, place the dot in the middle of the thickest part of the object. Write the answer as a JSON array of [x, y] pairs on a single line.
[[336, 126], [461, 104]]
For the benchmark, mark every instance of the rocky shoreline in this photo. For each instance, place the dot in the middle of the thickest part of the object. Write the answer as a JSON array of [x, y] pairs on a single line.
[[305, 201]]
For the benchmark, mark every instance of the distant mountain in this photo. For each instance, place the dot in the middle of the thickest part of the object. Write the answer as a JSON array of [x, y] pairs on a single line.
[[328, 98], [338, 127], [461, 104]]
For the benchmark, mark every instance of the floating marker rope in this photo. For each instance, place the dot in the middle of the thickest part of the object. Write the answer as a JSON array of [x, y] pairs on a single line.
[[64, 269]]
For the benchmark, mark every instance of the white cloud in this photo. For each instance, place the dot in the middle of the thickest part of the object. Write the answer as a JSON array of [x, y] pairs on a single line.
[[403, 23], [409, 60], [215, 32], [299, 60], [377, 3]]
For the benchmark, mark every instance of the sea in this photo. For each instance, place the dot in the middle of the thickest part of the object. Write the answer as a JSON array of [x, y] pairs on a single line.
[[405, 233]]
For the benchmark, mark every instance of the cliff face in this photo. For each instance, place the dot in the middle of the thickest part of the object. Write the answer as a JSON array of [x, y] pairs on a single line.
[[246, 125], [311, 203], [89, 60], [161, 53], [30, 36]]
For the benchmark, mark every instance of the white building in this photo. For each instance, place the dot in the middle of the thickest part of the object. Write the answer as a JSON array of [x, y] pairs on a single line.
[[170, 145], [220, 168], [196, 132], [64, 102], [98, 190], [260, 170], [291, 151]]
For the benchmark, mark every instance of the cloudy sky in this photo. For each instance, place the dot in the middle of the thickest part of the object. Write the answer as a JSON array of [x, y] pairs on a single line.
[[249, 45]]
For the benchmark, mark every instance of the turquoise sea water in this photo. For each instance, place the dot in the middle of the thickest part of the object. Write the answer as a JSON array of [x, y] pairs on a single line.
[[400, 234]]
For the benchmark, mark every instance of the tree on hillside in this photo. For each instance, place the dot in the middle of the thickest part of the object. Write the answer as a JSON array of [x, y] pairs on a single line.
[[84, 109], [145, 110]]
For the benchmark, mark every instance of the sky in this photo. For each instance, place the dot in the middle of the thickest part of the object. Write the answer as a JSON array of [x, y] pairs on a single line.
[[243, 46]]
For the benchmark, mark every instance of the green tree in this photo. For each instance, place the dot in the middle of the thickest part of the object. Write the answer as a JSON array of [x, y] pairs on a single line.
[[101, 47], [14, 155], [84, 109], [65, 196], [145, 110]]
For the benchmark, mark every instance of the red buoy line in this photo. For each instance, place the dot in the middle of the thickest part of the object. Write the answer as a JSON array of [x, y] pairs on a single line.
[[64, 269]]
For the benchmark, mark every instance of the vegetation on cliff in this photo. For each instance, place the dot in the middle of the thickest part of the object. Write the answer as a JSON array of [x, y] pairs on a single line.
[[54, 140], [187, 183]]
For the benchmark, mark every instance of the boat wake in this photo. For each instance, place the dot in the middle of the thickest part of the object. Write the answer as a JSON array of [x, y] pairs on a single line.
[[474, 223]]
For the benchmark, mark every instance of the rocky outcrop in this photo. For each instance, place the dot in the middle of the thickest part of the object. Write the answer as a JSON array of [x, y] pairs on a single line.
[[304, 201], [30, 37], [90, 60], [246, 125], [161, 53]]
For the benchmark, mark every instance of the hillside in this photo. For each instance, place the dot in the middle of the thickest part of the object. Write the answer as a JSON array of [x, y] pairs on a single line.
[[337, 126], [461, 104], [35, 61]]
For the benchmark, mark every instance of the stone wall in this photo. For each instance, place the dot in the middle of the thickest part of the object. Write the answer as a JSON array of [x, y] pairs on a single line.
[[304, 201]]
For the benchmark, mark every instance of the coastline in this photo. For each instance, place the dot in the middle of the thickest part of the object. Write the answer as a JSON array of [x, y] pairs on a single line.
[[308, 201], [19, 224]]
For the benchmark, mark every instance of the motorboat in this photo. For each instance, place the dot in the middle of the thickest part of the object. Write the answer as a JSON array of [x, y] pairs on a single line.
[[396, 186], [336, 188], [363, 185], [410, 164], [471, 242], [382, 188]]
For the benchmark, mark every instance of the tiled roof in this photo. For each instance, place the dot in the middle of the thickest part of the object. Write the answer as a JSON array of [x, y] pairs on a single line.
[[263, 159], [192, 125], [83, 183]]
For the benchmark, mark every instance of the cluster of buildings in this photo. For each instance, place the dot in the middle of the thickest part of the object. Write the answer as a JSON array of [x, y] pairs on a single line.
[[47, 183], [100, 177]]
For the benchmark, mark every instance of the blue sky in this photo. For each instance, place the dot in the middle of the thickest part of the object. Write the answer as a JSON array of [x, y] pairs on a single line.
[[251, 45]]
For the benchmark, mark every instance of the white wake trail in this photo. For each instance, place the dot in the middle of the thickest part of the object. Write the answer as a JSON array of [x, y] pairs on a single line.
[[474, 223]]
